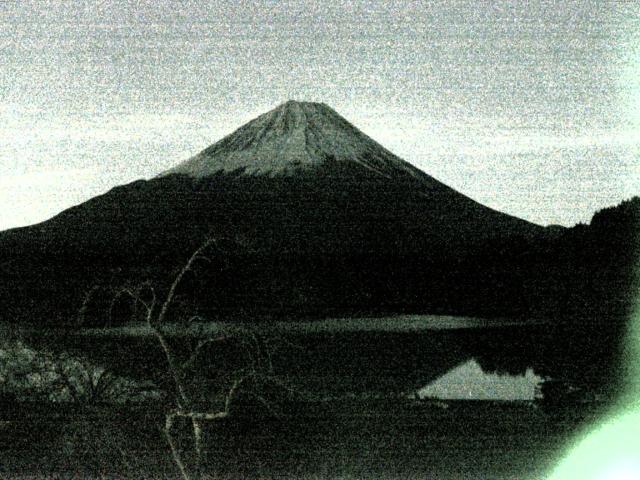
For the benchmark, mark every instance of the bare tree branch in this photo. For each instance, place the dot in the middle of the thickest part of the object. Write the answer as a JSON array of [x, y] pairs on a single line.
[[256, 351], [190, 362], [178, 280], [85, 303], [175, 452]]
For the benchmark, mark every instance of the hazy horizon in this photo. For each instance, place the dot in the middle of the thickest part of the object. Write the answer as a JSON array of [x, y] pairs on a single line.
[[529, 109]]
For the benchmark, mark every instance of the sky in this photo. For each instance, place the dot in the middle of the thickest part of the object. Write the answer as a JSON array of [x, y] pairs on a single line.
[[531, 108]]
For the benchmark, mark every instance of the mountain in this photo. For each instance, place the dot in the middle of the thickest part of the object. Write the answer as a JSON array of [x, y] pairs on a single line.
[[309, 146], [293, 138], [317, 219]]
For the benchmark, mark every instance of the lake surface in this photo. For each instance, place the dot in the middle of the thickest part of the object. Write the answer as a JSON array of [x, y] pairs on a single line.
[[460, 357], [469, 381], [436, 356], [396, 323], [339, 440]]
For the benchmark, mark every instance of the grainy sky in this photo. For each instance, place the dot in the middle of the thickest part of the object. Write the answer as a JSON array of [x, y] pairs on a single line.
[[532, 108]]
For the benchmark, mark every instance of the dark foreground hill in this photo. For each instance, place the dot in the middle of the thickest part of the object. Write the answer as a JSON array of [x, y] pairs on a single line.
[[315, 219]]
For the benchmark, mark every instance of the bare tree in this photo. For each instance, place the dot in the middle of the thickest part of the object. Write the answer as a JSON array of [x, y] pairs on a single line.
[[256, 370]]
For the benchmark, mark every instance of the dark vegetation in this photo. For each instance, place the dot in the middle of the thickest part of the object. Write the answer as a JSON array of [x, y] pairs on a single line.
[[322, 246], [333, 244], [309, 241]]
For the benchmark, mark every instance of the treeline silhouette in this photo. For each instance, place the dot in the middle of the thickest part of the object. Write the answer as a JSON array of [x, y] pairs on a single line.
[[316, 247]]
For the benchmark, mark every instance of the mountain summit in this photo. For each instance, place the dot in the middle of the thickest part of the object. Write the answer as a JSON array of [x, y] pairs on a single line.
[[325, 221], [294, 137]]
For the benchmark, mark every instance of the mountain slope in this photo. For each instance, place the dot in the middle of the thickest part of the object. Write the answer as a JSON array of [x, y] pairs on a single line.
[[327, 221], [309, 147], [296, 137]]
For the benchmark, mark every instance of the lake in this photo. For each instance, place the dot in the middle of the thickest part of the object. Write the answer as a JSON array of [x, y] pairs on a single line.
[[504, 358], [356, 440], [367, 420]]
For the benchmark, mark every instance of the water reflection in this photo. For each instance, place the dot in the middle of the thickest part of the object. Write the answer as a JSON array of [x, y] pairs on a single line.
[[469, 382]]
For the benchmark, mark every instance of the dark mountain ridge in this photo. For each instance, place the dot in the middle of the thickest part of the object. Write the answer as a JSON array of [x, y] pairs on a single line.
[[318, 220]]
